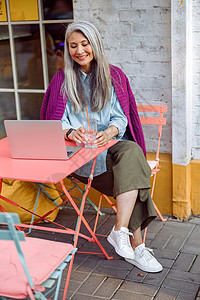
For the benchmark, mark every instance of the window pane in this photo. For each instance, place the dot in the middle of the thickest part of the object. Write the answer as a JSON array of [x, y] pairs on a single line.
[[3, 14], [55, 35], [23, 10], [31, 106], [28, 56], [7, 110], [6, 78], [57, 9]]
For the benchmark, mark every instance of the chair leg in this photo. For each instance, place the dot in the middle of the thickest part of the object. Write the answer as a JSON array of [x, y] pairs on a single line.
[[159, 213], [89, 201], [157, 210], [145, 234], [97, 216], [110, 202], [152, 192]]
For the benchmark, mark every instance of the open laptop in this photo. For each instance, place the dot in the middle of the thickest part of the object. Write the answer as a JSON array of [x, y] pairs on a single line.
[[38, 139]]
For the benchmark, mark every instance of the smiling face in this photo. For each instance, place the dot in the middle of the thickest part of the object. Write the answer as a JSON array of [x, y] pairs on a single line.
[[81, 50]]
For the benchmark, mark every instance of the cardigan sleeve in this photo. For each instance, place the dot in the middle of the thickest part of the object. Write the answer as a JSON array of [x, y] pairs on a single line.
[[45, 103], [128, 104], [53, 103], [135, 120]]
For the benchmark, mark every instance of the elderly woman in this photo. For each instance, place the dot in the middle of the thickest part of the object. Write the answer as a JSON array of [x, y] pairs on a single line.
[[88, 81]]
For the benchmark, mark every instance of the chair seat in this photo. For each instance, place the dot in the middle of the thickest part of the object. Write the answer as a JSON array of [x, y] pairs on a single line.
[[42, 258]]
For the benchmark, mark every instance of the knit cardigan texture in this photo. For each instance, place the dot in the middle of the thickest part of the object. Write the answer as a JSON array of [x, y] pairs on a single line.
[[54, 104]]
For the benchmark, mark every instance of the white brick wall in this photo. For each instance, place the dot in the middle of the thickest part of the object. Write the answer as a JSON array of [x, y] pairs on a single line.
[[136, 36], [196, 80]]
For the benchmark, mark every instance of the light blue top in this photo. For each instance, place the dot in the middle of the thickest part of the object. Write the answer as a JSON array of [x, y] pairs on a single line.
[[112, 114]]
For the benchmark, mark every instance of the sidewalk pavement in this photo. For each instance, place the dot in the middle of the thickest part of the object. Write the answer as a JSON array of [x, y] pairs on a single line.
[[176, 245]]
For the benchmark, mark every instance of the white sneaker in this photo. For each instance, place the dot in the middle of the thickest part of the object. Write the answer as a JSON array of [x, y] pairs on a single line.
[[144, 260], [120, 240]]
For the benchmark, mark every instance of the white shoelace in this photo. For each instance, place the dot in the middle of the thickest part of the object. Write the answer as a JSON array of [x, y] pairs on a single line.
[[146, 253], [124, 238]]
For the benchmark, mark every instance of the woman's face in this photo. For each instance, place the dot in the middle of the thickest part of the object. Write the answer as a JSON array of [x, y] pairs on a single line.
[[80, 50]]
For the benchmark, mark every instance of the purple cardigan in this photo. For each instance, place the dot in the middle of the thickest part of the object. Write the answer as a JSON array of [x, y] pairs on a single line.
[[53, 105]]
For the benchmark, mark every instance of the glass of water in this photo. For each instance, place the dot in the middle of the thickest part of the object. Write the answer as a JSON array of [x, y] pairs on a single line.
[[90, 132]]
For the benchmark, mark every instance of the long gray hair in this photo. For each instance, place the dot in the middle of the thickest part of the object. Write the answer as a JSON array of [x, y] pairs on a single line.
[[100, 79]]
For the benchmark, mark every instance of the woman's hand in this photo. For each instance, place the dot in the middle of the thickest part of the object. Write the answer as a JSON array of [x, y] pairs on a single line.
[[77, 135], [103, 137]]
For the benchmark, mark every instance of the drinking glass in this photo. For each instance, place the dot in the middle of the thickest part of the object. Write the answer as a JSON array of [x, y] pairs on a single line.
[[90, 132]]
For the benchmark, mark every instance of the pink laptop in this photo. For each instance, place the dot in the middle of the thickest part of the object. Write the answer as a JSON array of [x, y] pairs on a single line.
[[38, 139]]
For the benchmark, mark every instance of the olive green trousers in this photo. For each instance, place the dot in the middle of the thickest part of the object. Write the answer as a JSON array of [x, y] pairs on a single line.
[[127, 169]]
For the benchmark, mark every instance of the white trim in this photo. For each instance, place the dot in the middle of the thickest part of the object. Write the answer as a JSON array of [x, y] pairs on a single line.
[[28, 91], [13, 60], [43, 48], [37, 22]]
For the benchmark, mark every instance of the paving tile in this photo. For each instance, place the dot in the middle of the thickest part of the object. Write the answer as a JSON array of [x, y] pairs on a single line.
[[166, 294], [89, 263], [177, 228], [78, 260], [135, 275], [195, 233], [160, 241], [92, 247], [91, 284], [175, 243], [196, 266], [195, 221], [155, 226], [156, 278], [180, 285], [151, 236], [79, 276], [186, 296], [105, 223], [111, 272], [181, 275], [130, 296], [192, 241], [163, 253], [82, 296], [166, 262], [191, 248], [73, 285], [118, 263], [184, 261], [68, 296], [135, 287], [108, 287]]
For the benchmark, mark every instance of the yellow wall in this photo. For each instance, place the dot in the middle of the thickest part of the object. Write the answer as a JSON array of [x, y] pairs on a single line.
[[195, 186], [163, 187], [186, 190]]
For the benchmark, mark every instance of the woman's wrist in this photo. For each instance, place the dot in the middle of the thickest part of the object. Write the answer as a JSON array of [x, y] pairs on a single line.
[[112, 131], [68, 133]]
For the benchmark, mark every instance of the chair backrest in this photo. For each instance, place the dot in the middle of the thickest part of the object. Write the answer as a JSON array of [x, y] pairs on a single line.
[[11, 233], [154, 120], [10, 219]]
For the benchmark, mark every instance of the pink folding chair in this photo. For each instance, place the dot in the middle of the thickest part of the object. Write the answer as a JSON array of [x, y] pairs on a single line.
[[158, 120], [30, 267]]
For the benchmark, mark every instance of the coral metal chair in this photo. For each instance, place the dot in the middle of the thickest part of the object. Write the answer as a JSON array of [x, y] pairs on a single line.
[[154, 164], [32, 268], [159, 120]]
